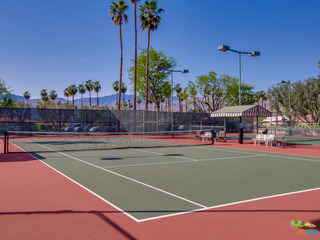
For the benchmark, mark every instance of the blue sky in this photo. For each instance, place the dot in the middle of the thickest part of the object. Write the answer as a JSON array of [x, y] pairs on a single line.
[[53, 44]]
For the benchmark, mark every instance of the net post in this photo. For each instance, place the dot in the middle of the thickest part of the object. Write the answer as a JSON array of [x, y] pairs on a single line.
[[212, 136], [5, 142]]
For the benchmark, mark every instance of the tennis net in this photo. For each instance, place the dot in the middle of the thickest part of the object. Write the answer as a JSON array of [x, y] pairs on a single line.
[[22, 141]]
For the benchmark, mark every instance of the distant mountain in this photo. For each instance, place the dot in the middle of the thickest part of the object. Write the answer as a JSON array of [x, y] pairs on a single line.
[[110, 100], [16, 97]]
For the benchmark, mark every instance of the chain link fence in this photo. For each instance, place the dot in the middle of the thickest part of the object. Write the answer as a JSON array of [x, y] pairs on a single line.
[[57, 120]]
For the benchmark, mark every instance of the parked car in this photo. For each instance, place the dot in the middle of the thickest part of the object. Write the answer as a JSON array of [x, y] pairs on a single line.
[[87, 127], [71, 128], [94, 129], [79, 128], [15, 128]]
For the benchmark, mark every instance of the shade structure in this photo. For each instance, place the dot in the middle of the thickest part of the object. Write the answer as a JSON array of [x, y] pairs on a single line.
[[242, 111]]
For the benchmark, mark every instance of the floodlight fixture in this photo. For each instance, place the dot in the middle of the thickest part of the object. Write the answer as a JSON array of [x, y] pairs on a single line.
[[225, 48]]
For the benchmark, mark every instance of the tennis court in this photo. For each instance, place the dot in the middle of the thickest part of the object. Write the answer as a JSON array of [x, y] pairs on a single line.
[[147, 183], [159, 184]]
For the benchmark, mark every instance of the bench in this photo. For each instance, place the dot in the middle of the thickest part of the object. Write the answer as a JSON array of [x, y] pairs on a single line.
[[221, 135], [203, 135], [281, 141], [266, 138]]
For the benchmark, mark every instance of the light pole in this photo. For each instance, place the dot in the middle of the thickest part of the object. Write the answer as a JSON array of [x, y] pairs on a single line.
[[172, 71], [225, 48], [289, 86]]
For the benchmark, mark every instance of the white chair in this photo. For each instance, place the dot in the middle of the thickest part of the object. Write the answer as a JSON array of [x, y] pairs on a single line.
[[207, 136]]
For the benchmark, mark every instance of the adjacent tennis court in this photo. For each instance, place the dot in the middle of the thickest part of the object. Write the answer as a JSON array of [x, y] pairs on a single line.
[[151, 182]]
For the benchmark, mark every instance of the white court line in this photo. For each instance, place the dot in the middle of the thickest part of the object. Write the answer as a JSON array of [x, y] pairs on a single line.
[[175, 162], [294, 158], [131, 179], [230, 204]]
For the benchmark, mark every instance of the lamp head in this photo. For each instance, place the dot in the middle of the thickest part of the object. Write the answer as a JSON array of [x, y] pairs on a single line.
[[254, 54], [184, 71], [282, 82], [223, 48]]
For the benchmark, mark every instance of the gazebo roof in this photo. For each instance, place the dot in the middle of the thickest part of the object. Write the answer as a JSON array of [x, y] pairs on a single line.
[[242, 111]]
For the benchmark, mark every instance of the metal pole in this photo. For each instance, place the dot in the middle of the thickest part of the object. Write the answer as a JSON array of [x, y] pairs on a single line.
[[172, 101], [289, 85], [239, 78]]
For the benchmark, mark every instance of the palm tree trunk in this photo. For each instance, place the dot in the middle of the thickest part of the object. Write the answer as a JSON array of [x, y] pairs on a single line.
[[97, 100], [135, 57], [73, 100], [147, 69], [81, 99], [120, 77], [90, 98]]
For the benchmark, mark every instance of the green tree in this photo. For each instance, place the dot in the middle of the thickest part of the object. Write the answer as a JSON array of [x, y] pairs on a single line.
[[139, 102], [115, 87], [89, 86], [5, 95], [247, 96], [97, 88], [192, 94], [134, 2], [27, 95], [150, 19], [261, 96], [183, 97], [123, 91], [156, 78], [44, 97], [213, 91], [73, 91], [82, 91], [6, 100], [66, 93], [53, 95], [166, 92], [116, 10], [318, 64], [178, 90]]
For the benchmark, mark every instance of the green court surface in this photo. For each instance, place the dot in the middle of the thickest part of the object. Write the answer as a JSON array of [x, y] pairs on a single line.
[[146, 183]]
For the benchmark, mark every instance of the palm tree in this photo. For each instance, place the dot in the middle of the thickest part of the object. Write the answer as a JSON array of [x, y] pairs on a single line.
[[123, 91], [318, 64], [115, 86], [97, 88], [53, 95], [66, 93], [263, 96], [134, 2], [27, 96], [44, 97], [116, 10], [139, 101], [178, 90], [150, 19], [89, 86], [166, 91], [82, 91], [73, 91]]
